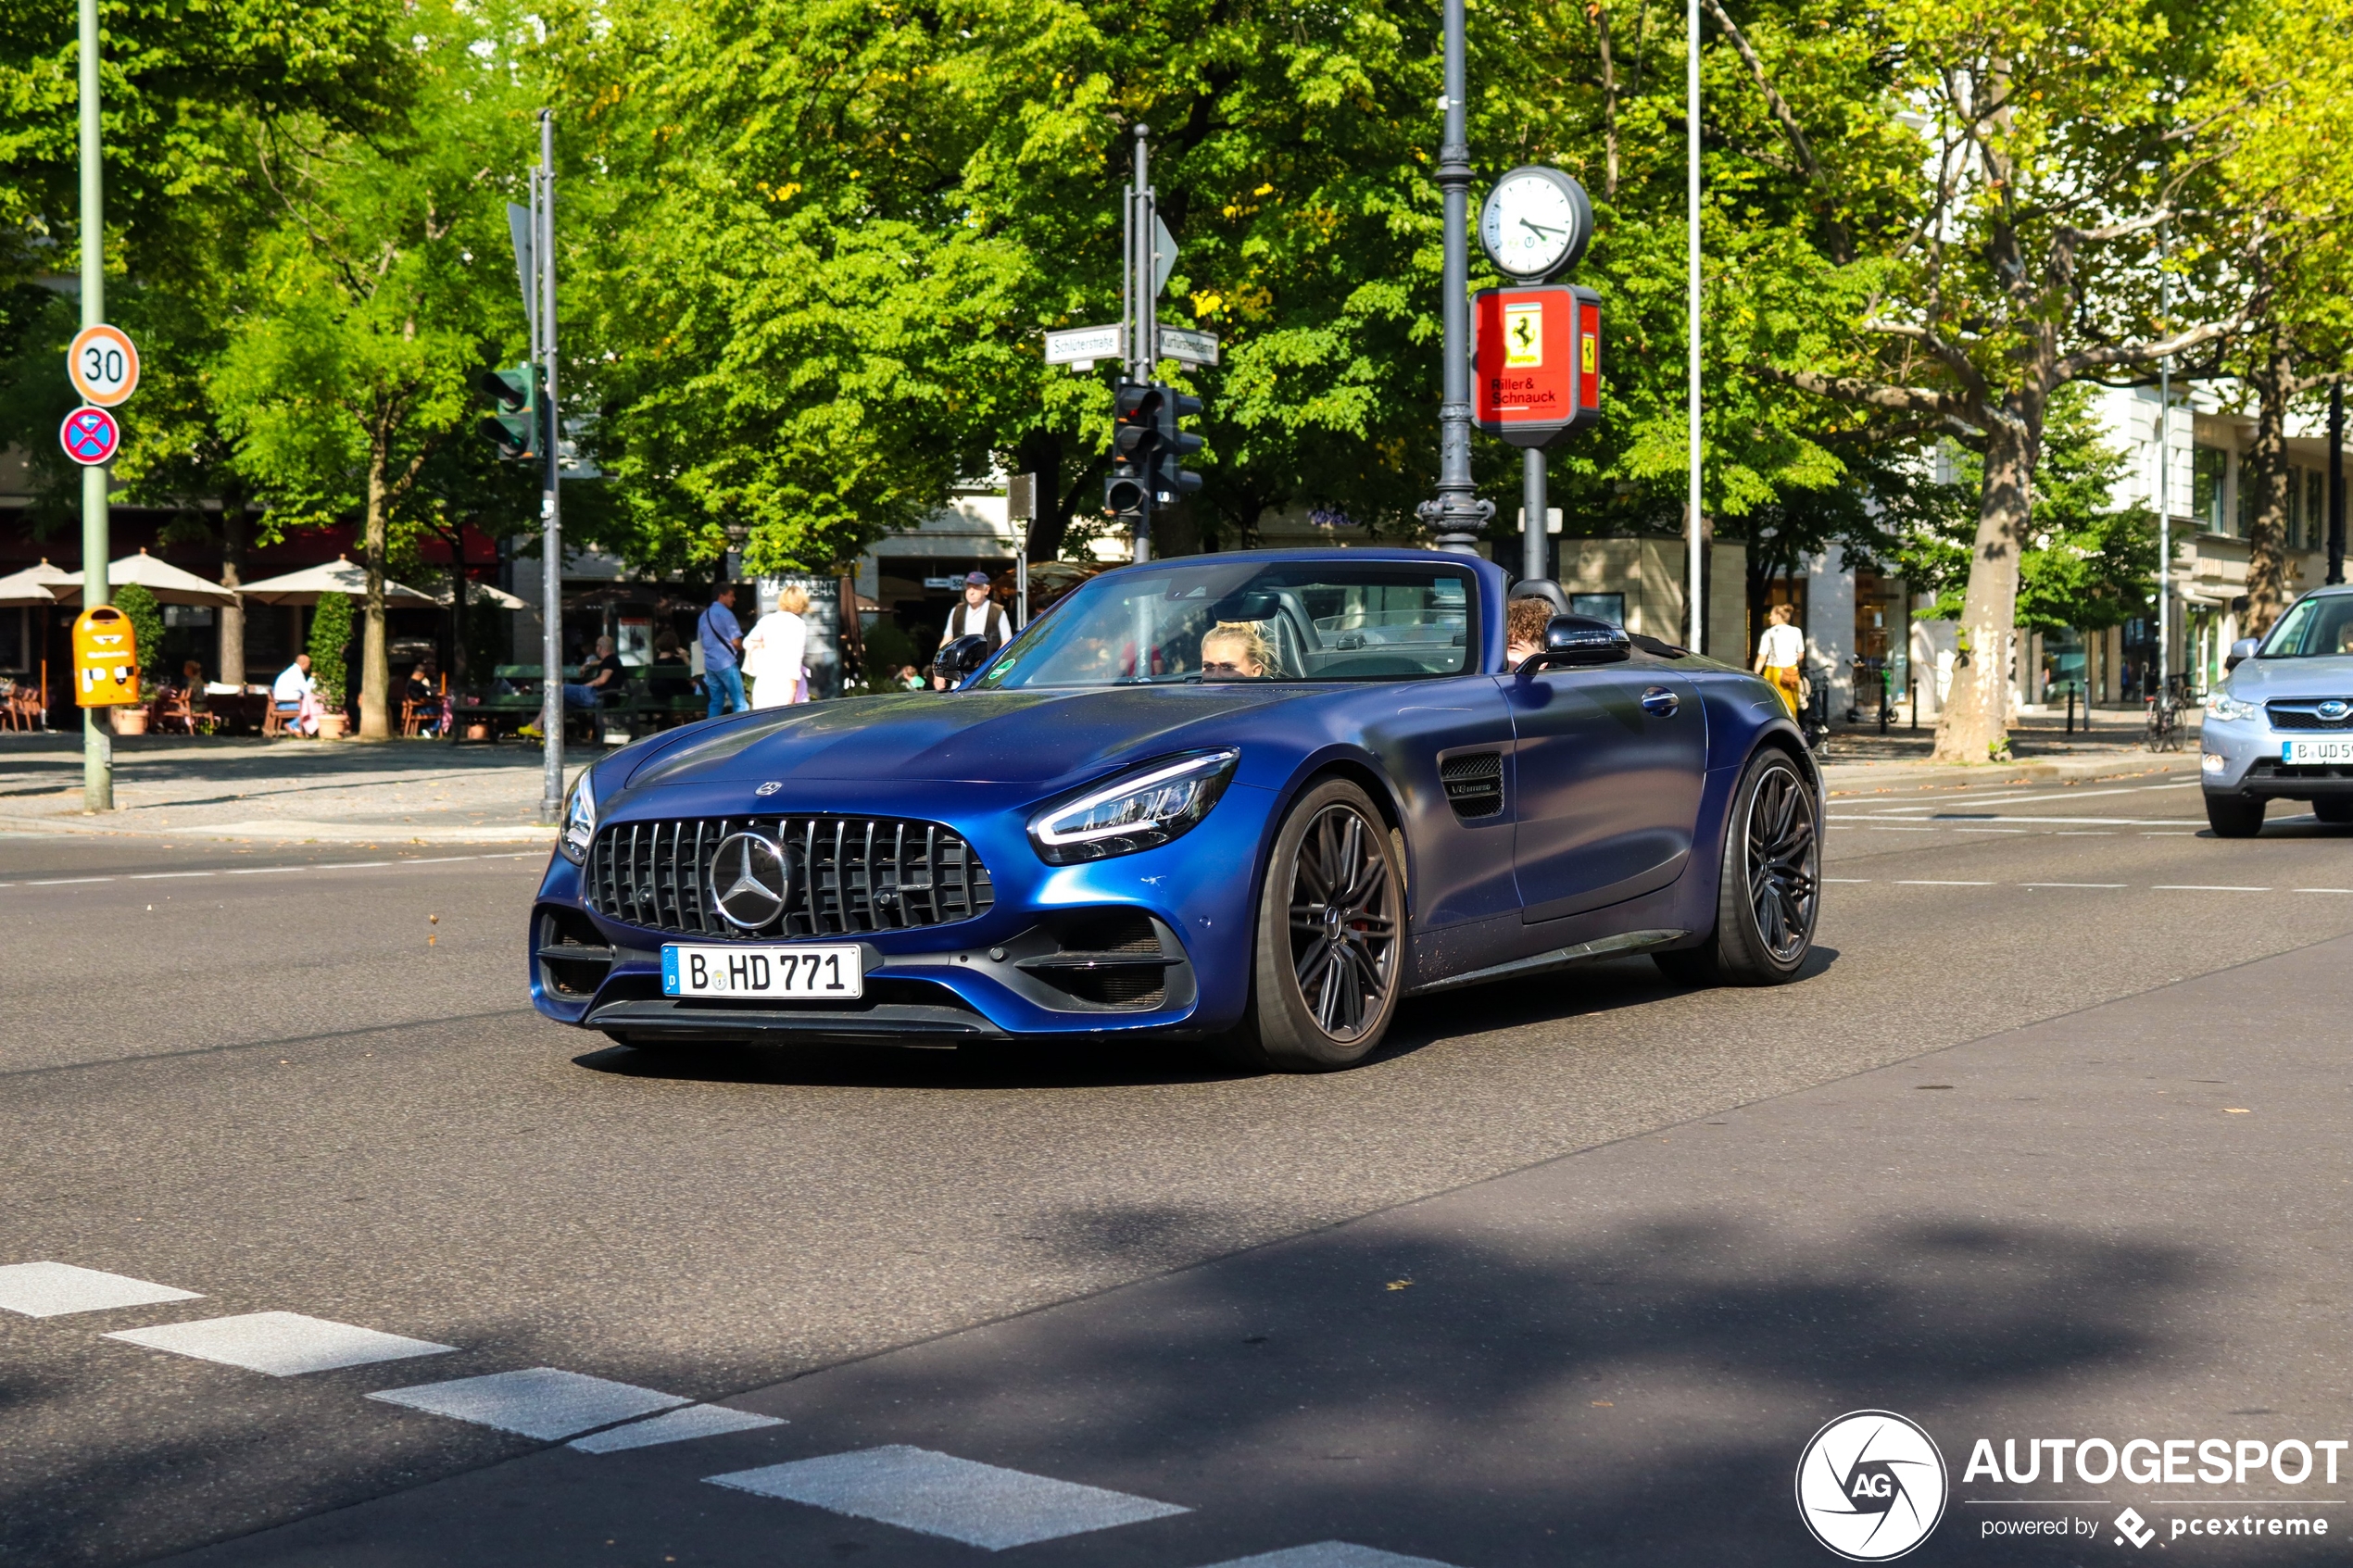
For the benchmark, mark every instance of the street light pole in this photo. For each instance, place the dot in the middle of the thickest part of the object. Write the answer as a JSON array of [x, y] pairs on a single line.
[[2164, 484], [1696, 636], [1144, 343], [1457, 514], [551, 588], [98, 739]]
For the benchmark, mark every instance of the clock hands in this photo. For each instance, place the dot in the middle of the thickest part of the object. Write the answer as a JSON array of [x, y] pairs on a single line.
[[1539, 228]]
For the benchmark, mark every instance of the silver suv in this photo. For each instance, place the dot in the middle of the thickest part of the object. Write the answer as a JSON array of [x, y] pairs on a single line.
[[2281, 726]]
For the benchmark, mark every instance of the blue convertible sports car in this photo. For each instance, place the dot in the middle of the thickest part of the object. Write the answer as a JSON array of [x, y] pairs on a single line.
[[1250, 799]]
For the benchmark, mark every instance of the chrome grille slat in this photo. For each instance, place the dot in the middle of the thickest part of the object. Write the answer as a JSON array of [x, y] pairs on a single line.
[[851, 874]]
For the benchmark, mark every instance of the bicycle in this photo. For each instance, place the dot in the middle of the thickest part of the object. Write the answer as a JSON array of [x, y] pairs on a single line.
[[2164, 733]]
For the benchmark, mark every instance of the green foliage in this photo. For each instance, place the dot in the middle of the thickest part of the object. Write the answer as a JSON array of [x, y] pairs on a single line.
[[330, 635], [888, 649], [146, 630]]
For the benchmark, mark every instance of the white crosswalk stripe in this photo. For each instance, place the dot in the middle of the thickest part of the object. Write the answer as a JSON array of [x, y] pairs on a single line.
[[544, 1402], [281, 1344], [52, 1290], [938, 1494], [673, 1427], [1331, 1554]]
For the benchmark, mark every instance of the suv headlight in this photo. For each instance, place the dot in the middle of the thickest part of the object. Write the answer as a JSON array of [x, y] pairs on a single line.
[[580, 820], [1140, 809], [2222, 705]]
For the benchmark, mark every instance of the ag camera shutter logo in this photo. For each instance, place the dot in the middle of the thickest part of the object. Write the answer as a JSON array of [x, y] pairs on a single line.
[[1871, 1486]]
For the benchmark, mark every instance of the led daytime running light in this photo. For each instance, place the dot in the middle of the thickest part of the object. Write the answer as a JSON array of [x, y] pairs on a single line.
[[580, 821], [1139, 811]]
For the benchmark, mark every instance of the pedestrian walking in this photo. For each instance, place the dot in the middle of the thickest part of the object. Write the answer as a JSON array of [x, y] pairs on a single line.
[[773, 651], [723, 639], [1781, 656], [978, 615]]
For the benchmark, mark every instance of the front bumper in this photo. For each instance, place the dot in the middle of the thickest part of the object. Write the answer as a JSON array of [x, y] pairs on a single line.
[[1151, 942], [2241, 761]]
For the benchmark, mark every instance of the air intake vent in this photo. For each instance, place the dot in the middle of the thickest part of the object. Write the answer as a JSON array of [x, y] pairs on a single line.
[[1474, 783], [849, 874]]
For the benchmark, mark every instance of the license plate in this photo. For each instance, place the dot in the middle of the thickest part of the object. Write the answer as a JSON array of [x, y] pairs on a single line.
[[824, 974], [2335, 751]]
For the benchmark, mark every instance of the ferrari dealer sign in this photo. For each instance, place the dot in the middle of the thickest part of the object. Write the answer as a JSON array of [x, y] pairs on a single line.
[[1536, 361]]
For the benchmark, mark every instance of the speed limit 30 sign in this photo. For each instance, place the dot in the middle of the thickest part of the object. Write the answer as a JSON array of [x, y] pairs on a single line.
[[103, 365]]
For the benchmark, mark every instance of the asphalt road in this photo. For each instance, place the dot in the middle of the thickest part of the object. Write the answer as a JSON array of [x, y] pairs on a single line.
[[2044, 1145]]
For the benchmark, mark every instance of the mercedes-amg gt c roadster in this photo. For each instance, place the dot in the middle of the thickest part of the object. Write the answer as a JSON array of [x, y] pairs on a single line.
[[1253, 799]]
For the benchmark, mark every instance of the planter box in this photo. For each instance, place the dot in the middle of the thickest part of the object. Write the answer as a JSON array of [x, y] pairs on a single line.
[[130, 721], [331, 726]]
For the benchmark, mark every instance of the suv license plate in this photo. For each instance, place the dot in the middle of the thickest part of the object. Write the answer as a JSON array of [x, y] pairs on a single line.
[[2333, 751], [820, 974]]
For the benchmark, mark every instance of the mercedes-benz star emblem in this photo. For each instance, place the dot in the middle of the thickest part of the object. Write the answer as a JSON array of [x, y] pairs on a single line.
[[750, 880], [771, 787]]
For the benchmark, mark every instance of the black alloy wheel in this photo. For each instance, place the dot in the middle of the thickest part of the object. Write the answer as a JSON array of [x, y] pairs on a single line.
[[2232, 817], [1329, 948], [1770, 895]]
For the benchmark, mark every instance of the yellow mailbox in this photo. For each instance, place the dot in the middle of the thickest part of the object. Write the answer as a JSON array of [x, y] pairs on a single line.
[[105, 658]]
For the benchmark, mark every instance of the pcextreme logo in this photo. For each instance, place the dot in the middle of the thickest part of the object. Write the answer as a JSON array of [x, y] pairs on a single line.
[[1871, 1486]]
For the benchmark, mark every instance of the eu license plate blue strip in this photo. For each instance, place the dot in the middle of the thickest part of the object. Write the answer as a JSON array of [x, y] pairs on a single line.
[[670, 972]]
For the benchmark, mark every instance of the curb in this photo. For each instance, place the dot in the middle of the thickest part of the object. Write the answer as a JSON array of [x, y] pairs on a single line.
[[290, 832], [1882, 778]]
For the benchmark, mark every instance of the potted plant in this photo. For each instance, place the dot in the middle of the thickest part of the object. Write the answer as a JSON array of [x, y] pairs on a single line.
[[139, 608], [330, 635]]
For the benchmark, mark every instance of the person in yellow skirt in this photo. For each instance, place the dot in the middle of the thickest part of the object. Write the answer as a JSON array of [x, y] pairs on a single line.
[[1780, 655]]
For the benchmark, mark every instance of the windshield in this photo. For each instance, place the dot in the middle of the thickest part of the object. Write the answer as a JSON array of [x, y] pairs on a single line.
[[1224, 618], [2314, 625]]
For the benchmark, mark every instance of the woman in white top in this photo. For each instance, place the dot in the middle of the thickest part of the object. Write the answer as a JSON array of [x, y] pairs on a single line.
[[1780, 656], [773, 649]]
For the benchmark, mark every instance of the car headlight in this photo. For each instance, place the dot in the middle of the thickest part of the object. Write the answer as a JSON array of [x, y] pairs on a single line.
[[580, 821], [2222, 705], [1137, 810]]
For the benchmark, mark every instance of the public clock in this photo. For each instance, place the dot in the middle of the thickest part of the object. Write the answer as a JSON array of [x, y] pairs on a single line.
[[1536, 222]]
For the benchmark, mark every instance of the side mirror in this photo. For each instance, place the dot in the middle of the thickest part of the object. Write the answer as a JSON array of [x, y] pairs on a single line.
[[1581, 639], [2241, 651], [956, 662]]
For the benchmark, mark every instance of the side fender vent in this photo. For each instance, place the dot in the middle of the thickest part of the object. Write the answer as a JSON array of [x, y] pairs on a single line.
[[1474, 783]]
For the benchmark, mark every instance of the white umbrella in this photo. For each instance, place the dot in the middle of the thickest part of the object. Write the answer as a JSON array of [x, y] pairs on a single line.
[[312, 583], [482, 593], [32, 585], [166, 582]]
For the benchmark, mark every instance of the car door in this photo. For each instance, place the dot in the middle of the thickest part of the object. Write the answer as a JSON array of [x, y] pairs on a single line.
[[1609, 760]]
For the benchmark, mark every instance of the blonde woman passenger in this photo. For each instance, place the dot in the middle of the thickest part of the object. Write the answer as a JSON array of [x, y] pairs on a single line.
[[773, 651], [1236, 650]]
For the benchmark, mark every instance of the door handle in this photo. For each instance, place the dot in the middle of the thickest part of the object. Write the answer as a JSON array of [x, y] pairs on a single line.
[[1661, 701]]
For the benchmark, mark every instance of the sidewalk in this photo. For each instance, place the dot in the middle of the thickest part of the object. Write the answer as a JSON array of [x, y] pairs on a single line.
[[282, 792], [1859, 761]]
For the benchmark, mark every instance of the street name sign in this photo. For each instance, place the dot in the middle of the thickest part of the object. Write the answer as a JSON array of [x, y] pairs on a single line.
[[90, 436], [1083, 345], [1189, 348], [103, 365]]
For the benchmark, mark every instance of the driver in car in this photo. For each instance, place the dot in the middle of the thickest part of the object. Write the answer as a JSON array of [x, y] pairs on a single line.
[[1235, 650]]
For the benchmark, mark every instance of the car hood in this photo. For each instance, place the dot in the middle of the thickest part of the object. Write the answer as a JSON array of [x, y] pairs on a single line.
[[975, 737], [2258, 680]]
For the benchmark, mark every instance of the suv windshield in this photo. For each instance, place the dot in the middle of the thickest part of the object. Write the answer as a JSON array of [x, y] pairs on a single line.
[[1222, 619], [2316, 624]]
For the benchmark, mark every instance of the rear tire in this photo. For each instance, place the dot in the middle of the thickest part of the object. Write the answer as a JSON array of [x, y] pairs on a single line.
[[2336, 810], [1331, 947], [1769, 892], [2233, 818]]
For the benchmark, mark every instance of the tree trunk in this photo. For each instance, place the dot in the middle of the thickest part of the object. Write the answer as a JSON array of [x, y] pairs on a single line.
[[2267, 562], [1975, 724], [375, 661], [235, 528]]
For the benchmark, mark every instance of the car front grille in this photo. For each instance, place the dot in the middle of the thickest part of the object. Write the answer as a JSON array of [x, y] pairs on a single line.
[[2303, 713], [849, 874]]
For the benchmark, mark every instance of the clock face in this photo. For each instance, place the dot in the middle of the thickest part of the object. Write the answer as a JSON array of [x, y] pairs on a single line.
[[1535, 221]]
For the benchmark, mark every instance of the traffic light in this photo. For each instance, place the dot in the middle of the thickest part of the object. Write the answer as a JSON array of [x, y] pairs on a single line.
[[513, 425], [1171, 481], [1135, 434]]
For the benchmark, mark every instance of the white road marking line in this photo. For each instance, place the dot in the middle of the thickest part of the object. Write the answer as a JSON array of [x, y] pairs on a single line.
[[51, 1290], [161, 876], [68, 880], [536, 1402], [281, 1344], [1874, 827], [2201, 887], [1921, 882], [1846, 879], [1330, 1554], [2093, 833], [1989, 830], [938, 1494], [276, 870], [676, 1426], [2074, 885], [2096, 822], [2321, 890]]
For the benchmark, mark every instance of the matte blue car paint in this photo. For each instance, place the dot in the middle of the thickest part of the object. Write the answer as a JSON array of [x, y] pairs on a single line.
[[983, 762]]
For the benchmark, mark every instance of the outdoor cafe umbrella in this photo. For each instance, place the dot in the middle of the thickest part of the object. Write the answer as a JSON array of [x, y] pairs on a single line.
[[166, 582], [482, 593], [314, 582], [31, 586]]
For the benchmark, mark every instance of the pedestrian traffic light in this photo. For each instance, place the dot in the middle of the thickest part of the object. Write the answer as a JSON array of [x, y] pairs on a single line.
[[1134, 432], [513, 424], [1171, 481]]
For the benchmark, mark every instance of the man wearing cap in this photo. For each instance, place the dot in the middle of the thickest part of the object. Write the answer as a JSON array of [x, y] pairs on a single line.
[[978, 615]]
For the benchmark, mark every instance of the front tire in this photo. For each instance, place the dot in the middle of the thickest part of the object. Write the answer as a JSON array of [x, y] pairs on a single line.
[[1329, 950], [2231, 817], [1769, 893]]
